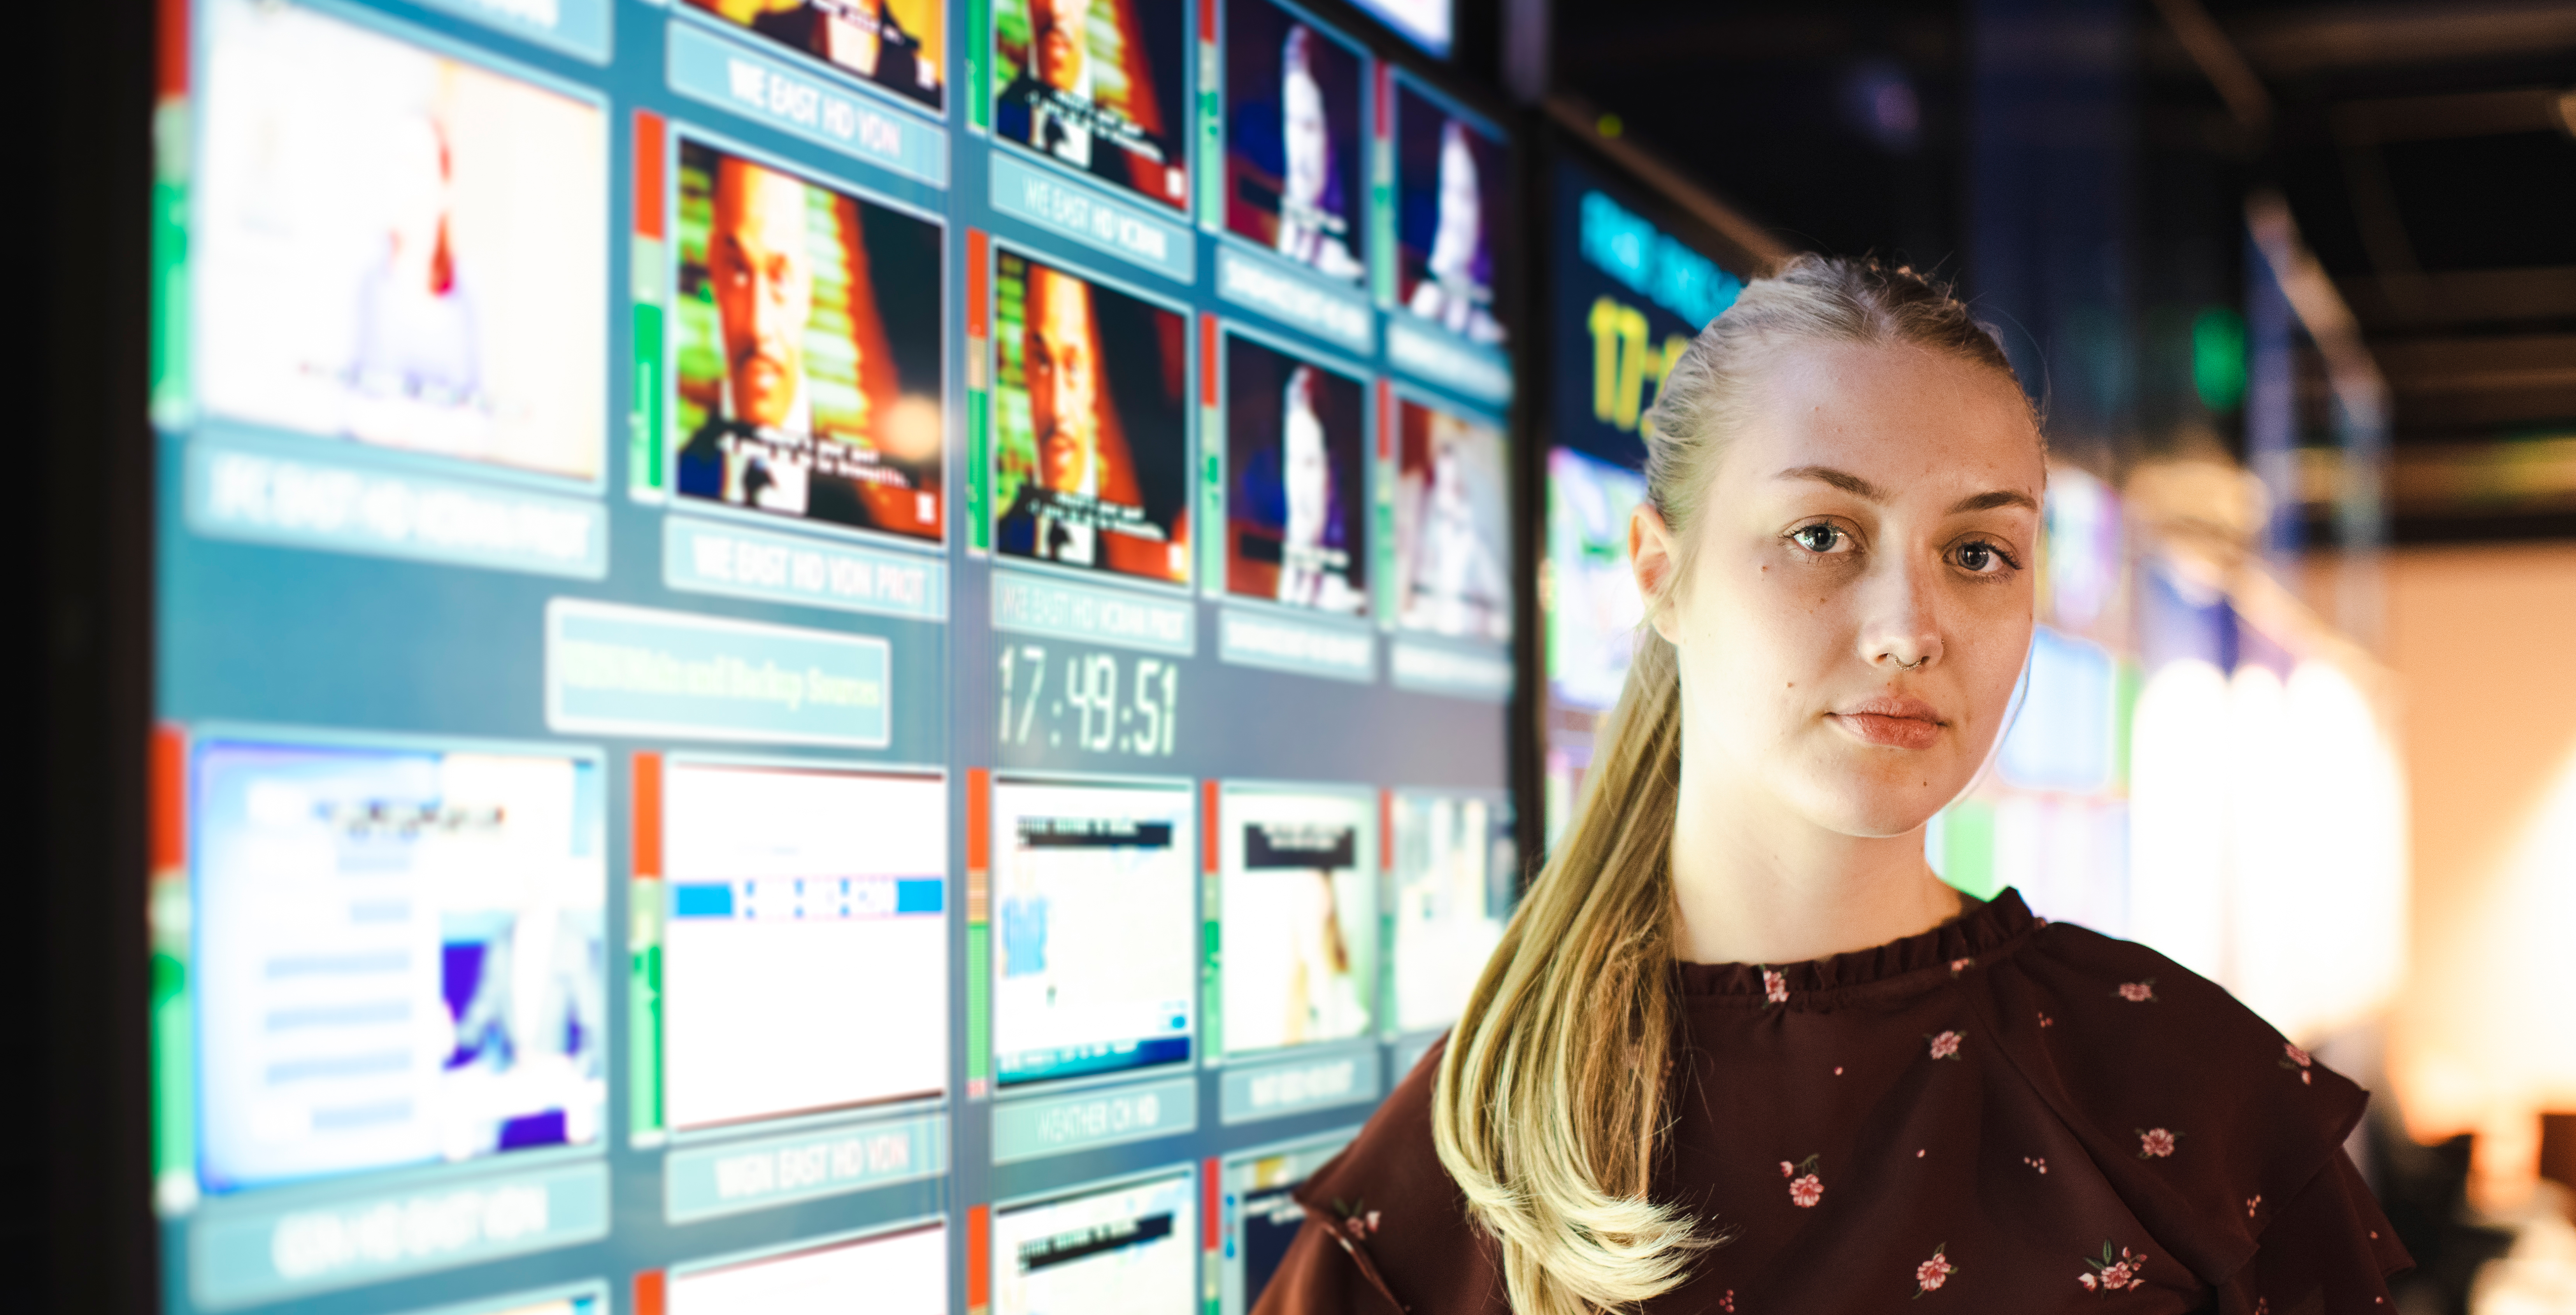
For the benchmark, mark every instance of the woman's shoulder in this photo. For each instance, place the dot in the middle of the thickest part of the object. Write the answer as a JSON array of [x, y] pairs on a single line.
[[2184, 1097], [1398, 1221]]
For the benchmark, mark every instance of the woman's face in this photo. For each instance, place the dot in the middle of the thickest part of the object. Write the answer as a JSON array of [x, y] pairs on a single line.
[[1301, 105], [1462, 219], [1860, 604], [1307, 477]]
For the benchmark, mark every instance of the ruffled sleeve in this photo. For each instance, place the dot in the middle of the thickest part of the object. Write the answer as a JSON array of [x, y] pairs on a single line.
[[2327, 1249], [2222, 1137], [1386, 1229]]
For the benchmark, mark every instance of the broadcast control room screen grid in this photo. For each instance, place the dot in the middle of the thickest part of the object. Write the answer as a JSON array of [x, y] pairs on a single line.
[[807, 648]]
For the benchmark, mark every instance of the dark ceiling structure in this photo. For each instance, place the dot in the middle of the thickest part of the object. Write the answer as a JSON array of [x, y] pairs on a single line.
[[2426, 152]]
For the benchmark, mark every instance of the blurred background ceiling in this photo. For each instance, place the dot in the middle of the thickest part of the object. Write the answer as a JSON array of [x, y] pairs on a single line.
[[2426, 151]]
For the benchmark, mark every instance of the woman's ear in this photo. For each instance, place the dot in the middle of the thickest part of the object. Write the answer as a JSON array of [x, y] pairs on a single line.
[[1653, 556]]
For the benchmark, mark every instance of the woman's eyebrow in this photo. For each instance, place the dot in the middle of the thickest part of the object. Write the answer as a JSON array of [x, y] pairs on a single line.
[[1841, 479], [1993, 498]]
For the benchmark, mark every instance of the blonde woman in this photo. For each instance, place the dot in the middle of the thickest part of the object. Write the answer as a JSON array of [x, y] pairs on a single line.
[[1740, 1050]]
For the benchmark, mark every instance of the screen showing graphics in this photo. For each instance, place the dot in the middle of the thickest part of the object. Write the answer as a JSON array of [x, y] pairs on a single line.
[[1130, 1250], [1296, 461], [901, 1274], [1593, 613], [1592, 627], [398, 248], [1456, 869], [1452, 517], [1293, 103], [1452, 200], [401, 955], [1095, 961], [809, 362], [1299, 905], [806, 941], [1091, 424], [1629, 297], [1096, 85], [1429, 24], [1262, 1215], [895, 44]]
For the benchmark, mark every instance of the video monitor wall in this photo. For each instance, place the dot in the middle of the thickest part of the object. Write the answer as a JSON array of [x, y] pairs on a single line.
[[1625, 297], [842, 646]]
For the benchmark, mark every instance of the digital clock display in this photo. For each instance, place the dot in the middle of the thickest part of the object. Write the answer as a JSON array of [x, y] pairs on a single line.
[[1090, 701]]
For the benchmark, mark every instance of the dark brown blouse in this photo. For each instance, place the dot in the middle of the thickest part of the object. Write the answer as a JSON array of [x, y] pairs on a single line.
[[1999, 1114]]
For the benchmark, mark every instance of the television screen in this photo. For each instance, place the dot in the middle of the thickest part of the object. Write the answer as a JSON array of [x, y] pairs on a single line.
[[1628, 297], [1262, 1215], [1453, 214], [899, 45], [905, 1273], [1293, 167], [1129, 1250], [807, 922], [401, 954], [1096, 85], [1457, 867], [809, 365], [1091, 460], [1094, 968], [1453, 552], [398, 247], [1592, 623], [1429, 24], [1297, 490], [1299, 907]]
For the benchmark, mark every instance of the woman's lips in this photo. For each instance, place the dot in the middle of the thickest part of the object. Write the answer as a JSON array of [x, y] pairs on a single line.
[[1892, 723]]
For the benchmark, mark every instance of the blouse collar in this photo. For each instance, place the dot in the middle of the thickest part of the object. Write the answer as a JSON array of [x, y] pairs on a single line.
[[1977, 937]]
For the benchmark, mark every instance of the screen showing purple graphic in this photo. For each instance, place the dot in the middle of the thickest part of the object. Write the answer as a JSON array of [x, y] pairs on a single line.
[[1293, 113], [1452, 212], [401, 956], [1296, 460]]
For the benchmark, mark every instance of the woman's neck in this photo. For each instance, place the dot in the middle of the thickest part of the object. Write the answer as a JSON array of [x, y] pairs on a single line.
[[1756, 883]]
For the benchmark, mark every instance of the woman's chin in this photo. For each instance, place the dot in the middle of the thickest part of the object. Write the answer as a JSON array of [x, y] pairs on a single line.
[[1873, 800]]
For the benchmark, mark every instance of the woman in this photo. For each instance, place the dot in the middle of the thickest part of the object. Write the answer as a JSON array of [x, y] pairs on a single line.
[[1740, 1050], [1314, 569], [1312, 229], [1456, 291]]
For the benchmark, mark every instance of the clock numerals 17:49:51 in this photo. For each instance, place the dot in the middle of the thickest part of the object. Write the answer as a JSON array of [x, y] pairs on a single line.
[[1088, 699]]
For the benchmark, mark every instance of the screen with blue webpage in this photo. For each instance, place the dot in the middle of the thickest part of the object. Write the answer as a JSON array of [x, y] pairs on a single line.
[[812, 649]]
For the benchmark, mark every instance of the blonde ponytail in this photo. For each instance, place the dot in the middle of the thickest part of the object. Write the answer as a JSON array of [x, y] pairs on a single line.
[[1550, 1106]]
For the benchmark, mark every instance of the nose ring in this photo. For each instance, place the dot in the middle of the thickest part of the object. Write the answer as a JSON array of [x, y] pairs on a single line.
[[1909, 666]]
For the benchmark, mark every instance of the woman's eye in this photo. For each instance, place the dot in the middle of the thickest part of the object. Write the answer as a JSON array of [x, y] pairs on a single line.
[[1817, 538], [1983, 558]]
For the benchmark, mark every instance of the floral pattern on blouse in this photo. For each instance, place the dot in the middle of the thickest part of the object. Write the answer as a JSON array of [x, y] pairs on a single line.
[[2111, 1275], [1805, 1187], [1745, 1006], [2298, 1061]]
